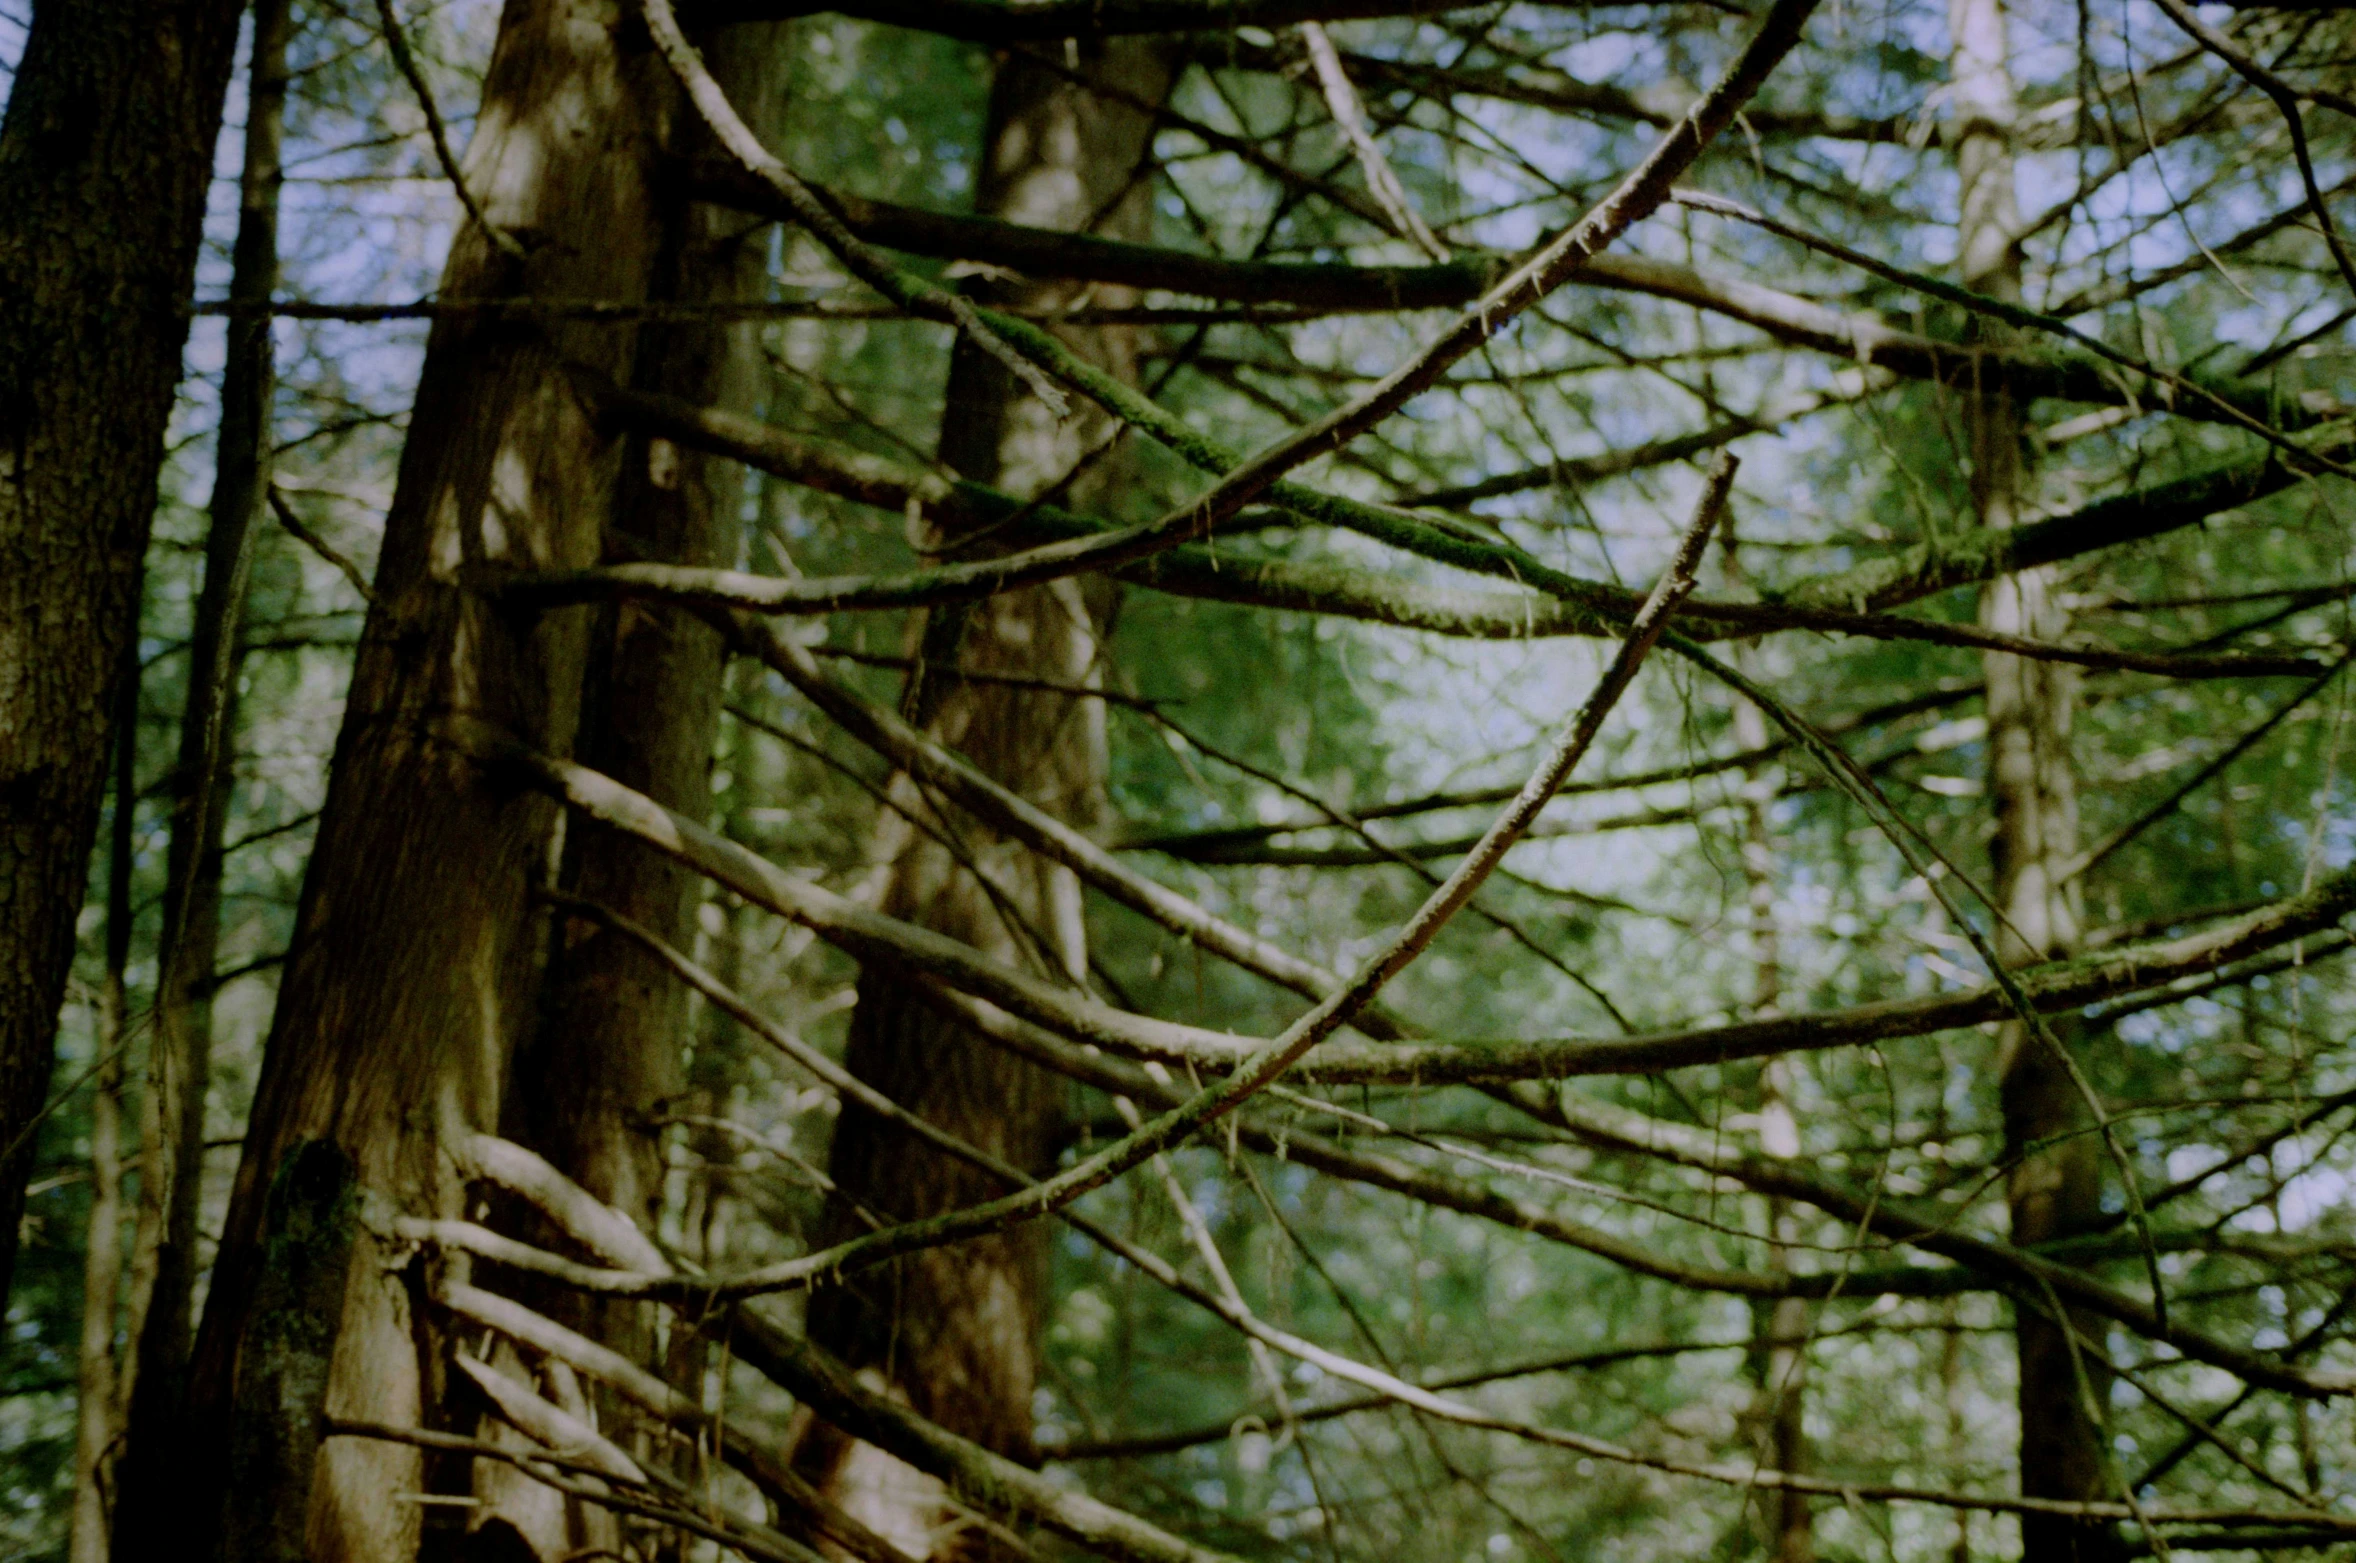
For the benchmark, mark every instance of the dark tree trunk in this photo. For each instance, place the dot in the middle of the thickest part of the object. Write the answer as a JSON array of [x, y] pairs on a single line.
[[417, 946], [955, 1330], [171, 1176], [104, 161], [2056, 1190], [311, 1219]]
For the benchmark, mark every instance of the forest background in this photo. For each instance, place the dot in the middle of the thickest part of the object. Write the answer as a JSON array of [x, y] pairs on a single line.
[[1698, 1192]]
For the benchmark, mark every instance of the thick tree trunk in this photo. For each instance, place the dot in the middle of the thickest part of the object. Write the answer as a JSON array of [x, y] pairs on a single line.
[[104, 161], [607, 1053], [417, 945], [955, 1330], [2056, 1187], [171, 1173]]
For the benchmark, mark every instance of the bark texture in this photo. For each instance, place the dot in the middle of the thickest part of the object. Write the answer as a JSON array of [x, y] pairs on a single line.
[[608, 1055], [104, 160], [2055, 1191], [171, 1174], [955, 1331], [275, 1437], [417, 946]]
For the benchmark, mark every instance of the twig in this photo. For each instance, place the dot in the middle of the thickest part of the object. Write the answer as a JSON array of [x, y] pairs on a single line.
[[800, 1367], [614, 1238], [1342, 99], [909, 292], [318, 545], [2285, 98], [2168, 805], [543, 1467], [2010, 314], [398, 43], [924, 757], [1253, 1070], [1913, 847]]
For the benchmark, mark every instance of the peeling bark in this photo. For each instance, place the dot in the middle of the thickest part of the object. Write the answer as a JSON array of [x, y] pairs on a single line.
[[954, 1333], [417, 947], [607, 1052]]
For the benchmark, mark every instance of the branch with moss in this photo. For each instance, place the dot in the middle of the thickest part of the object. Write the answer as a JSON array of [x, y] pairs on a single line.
[[1151, 554]]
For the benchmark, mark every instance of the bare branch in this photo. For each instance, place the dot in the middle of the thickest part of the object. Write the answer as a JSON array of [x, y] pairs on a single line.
[[1342, 99]]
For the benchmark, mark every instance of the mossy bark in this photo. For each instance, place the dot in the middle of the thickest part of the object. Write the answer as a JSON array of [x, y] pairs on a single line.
[[289, 1338]]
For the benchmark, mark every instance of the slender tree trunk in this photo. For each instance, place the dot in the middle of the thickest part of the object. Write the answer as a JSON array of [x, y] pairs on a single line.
[[171, 1178], [102, 1272], [1956, 1434], [417, 945], [2056, 1188], [607, 1054], [97, 1408], [1780, 1367], [954, 1331], [104, 161]]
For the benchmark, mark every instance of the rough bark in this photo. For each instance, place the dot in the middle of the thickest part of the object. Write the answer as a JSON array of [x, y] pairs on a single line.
[[417, 947], [273, 1450], [607, 1054], [2055, 1190], [955, 1332], [171, 1172], [104, 161]]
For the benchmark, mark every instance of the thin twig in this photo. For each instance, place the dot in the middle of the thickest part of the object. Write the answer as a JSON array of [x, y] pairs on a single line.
[[1342, 99], [397, 42], [2286, 98], [1254, 1070], [2010, 314], [908, 291], [1916, 848], [318, 545]]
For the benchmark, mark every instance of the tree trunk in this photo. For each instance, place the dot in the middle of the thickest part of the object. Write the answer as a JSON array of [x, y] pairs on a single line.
[[955, 1330], [96, 1389], [1779, 1365], [2055, 1191], [607, 1053], [309, 1223], [104, 162], [417, 946], [171, 1175]]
